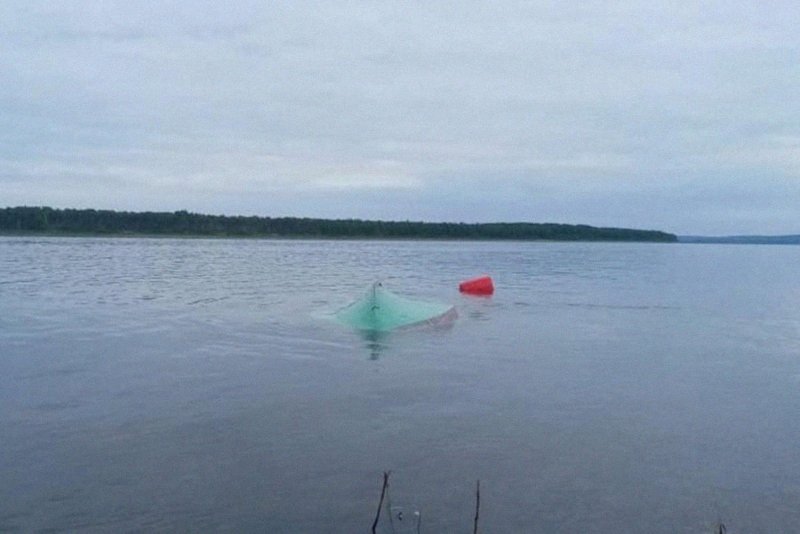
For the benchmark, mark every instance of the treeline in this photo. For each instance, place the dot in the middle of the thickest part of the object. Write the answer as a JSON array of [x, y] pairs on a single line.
[[182, 223]]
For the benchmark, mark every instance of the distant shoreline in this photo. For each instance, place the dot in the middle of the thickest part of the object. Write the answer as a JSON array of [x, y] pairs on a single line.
[[44, 221], [81, 235], [742, 240]]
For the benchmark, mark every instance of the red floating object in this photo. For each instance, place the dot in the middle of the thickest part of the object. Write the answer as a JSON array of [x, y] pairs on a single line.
[[477, 286]]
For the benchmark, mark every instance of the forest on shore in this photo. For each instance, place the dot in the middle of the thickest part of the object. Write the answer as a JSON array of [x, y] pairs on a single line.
[[44, 220]]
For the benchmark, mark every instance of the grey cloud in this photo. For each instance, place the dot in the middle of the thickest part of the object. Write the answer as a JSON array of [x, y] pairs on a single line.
[[576, 113]]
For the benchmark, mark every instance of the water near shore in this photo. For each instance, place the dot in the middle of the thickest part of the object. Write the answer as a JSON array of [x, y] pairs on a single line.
[[198, 385]]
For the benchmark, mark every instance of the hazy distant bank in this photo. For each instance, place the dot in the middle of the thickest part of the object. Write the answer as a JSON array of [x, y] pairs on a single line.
[[43, 220], [743, 239]]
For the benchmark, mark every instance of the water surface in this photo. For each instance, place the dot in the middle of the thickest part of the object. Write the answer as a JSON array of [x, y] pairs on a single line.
[[197, 385]]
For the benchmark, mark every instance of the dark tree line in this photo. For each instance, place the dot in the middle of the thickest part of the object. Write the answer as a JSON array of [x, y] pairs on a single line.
[[105, 222]]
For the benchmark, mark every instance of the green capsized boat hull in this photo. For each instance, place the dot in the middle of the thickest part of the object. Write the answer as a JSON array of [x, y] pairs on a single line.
[[380, 310]]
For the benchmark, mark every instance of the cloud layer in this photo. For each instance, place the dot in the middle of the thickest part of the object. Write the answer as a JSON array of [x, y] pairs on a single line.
[[636, 114]]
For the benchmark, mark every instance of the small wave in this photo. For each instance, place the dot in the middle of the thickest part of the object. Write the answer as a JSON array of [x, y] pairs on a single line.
[[589, 305], [23, 281], [208, 300]]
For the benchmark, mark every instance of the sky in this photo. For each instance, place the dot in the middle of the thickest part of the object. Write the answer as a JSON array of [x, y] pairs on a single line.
[[677, 116]]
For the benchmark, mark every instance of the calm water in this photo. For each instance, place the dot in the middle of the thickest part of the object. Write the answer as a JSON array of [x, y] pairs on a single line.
[[198, 385]]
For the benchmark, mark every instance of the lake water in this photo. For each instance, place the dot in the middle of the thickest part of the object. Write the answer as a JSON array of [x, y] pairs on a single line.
[[195, 385]]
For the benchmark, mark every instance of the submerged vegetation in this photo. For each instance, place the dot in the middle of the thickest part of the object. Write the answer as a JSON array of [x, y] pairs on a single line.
[[43, 220]]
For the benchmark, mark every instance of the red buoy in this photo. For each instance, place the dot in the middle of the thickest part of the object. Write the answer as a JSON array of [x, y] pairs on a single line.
[[477, 286]]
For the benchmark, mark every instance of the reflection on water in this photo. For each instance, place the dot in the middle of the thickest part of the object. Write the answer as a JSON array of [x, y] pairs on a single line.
[[374, 342], [379, 341]]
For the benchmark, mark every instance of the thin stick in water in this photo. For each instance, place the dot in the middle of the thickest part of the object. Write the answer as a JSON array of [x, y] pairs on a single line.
[[477, 507], [380, 503]]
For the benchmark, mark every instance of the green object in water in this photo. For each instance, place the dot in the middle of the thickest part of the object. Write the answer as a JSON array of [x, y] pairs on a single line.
[[381, 310]]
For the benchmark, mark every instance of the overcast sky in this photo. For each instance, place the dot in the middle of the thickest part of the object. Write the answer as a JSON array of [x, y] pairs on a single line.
[[679, 116]]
